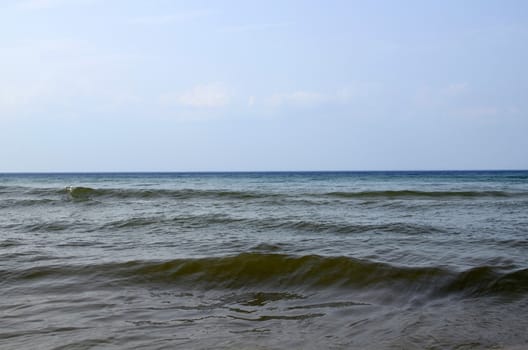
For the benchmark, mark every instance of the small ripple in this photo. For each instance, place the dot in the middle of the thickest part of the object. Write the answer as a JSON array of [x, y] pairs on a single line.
[[264, 318], [335, 304]]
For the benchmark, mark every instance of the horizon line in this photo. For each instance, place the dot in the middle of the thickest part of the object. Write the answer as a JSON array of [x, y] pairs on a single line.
[[246, 171]]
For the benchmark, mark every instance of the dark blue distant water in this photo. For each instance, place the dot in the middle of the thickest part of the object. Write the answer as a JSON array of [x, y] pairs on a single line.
[[279, 260]]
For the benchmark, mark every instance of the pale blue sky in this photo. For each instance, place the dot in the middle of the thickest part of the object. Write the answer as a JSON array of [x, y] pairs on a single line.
[[122, 85]]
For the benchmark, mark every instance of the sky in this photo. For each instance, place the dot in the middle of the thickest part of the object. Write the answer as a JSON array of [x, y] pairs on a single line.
[[162, 85]]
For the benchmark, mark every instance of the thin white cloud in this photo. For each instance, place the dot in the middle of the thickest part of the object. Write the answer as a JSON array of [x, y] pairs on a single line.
[[357, 91], [305, 98], [299, 98], [457, 100], [254, 27], [32, 5], [456, 89], [17, 96], [38, 4], [209, 96], [170, 18], [477, 112], [437, 97], [53, 74]]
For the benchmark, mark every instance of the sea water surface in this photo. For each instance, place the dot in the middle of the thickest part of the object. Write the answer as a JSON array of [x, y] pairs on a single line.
[[309, 260]]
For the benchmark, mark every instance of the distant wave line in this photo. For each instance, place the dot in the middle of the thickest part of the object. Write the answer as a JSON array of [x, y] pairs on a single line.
[[87, 192], [422, 194], [81, 193]]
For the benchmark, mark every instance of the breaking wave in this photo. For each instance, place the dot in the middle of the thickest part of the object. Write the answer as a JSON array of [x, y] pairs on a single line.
[[292, 273]]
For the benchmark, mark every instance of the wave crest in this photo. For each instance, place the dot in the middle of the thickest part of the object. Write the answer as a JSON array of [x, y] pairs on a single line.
[[257, 270], [419, 194], [79, 192]]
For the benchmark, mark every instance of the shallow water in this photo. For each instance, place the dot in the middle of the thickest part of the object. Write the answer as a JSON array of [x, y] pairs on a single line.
[[366, 260]]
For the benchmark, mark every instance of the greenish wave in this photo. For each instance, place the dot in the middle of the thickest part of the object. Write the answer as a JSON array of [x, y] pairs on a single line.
[[290, 273]]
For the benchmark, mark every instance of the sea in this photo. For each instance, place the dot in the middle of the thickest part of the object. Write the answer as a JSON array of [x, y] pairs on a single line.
[[264, 260]]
